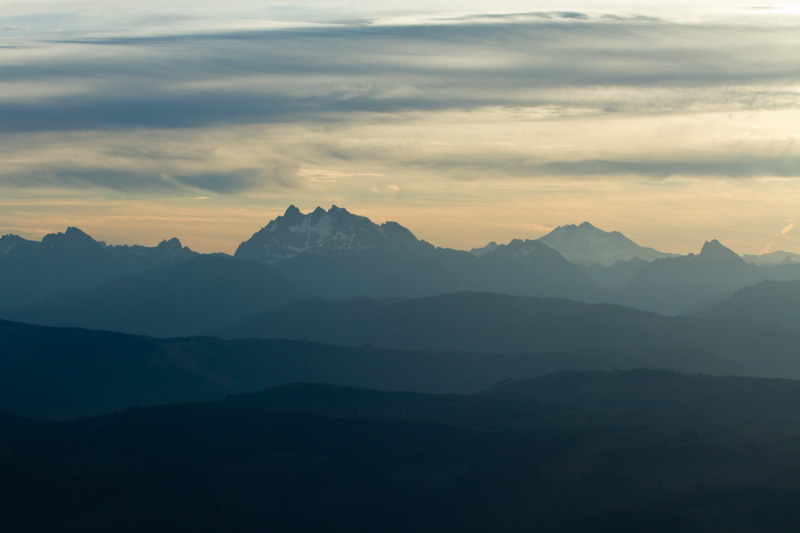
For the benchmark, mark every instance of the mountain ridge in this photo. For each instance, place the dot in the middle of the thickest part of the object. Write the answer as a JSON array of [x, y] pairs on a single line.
[[337, 254], [31, 271], [586, 244]]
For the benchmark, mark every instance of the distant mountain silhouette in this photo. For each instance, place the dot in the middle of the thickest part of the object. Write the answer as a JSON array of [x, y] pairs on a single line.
[[676, 285], [773, 258], [70, 372], [31, 271], [203, 294], [614, 276], [531, 268], [775, 302], [587, 245], [501, 323]]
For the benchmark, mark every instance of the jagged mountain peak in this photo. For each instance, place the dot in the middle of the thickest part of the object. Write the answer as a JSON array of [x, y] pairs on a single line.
[[716, 251], [713, 246], [174, 249], [170, 243], [72, 238], [478, 252], [295, 233], [73, 232]]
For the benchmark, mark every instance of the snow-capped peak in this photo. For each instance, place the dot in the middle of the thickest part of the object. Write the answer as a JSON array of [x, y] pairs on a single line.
[[295, 233], [587, 244]]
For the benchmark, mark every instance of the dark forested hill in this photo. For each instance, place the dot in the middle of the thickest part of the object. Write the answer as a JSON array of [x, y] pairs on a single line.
[[312, 457], [68, 372], [659, 391]]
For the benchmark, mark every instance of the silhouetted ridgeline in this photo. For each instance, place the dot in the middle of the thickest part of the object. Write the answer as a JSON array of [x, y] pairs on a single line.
[[70, 279], [774, 302], [31, 271], [65, 372], [501, 323], [202, 294]]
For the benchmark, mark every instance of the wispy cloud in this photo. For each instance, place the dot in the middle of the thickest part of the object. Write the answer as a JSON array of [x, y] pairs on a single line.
[[327, 73]]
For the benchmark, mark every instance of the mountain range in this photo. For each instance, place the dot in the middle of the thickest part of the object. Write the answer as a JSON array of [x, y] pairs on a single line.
[[31, 271], [70, 279]]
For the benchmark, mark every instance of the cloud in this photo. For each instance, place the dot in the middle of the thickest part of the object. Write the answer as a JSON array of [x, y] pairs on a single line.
[[786, 229], [328, 73], [493, 160], [236, 182], [142, 181], [527, 95], [736, 168]]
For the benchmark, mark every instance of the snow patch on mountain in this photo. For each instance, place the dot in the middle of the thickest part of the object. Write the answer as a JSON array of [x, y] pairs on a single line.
[[8, 243]]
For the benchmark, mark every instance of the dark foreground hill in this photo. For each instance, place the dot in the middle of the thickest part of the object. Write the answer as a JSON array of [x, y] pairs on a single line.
[[321, 458], [701, 396]]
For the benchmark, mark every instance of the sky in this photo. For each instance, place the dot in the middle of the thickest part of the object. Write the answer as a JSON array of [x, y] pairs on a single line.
[[672, 122]]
